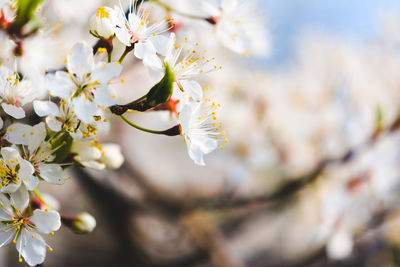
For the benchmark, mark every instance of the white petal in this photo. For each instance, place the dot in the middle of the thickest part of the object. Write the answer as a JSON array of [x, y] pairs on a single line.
[[340, 246], [11, 187], [112, 156], [144, 48], [36, 136], [46, 222], [123, 35], [160, 43], [94, 165], [20, 198], [105, 96], [59, 84], [1, 123], [25, 173], [53, 123], [84, 108], [45, 108], [10, 156], [6, 237], [18, 134], [80, 61], [152, 61], [192, 88], [195, 153], [14, 111], [104, 72], [32, 247], [85, 152], [52, 173]]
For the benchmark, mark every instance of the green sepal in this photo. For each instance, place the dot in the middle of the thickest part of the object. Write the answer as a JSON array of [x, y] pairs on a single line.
[[158, 95], [25, 10], [162, 91], [63, 144]]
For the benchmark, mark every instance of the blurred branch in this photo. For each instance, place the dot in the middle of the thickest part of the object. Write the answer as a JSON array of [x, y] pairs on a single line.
[[119, 211], [209, 237], [289, 189]]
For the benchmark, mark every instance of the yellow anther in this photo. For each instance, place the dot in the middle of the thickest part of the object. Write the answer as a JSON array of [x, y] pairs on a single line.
[[102, 13]]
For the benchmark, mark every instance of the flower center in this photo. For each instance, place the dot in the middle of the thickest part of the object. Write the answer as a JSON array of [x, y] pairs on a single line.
[[7, 175]]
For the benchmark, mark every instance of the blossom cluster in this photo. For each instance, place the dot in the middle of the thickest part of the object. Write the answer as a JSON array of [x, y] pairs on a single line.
[[73, 105]]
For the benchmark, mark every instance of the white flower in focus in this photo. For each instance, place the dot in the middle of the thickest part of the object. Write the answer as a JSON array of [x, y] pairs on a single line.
[[104, 22], [186, 63], [200, 129], [139, 30], [64, 118], [97, 156], [36, 151], [239, 26], [14, 93], [21, 227], [16, 176], [86, 85]]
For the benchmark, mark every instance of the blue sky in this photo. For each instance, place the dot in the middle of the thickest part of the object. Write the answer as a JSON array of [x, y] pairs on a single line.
[[354, 20]]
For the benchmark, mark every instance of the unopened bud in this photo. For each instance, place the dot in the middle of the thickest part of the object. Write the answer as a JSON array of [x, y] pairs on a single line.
[[83, 223]]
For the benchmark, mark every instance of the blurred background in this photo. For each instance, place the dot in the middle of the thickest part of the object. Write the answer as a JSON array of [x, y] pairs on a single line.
[[311, 173]]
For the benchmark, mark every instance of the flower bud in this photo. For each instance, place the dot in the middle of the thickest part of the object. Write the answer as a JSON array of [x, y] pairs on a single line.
[[103, 23], [112, 156], [83, 223]]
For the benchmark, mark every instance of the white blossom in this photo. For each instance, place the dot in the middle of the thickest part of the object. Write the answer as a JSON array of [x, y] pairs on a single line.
[[23, 227], [85, 87], [138, 29], [186, 62], [14, 93], [200, 129], [37, 151]]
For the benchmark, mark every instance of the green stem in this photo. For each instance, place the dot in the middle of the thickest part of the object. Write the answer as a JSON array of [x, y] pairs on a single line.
[[109, 56], [40, 197], [170, 9], [123, 56], [140, 128]]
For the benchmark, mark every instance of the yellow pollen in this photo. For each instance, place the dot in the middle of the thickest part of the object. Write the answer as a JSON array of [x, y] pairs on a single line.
[[20, 260], [102, 13], [50, 249], [101, 50]]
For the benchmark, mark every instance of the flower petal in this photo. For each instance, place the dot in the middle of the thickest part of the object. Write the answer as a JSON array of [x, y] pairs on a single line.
[[192, 88], [80, 61], [20, 198], [104, 72], [6, 235], [45, 108], [25, 173], [14, 111], [46, 221], [36, 136], [10, 156], [59, 84], [18, 134], [104, 96], [52, 173], [84, 108], [32, 247]]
